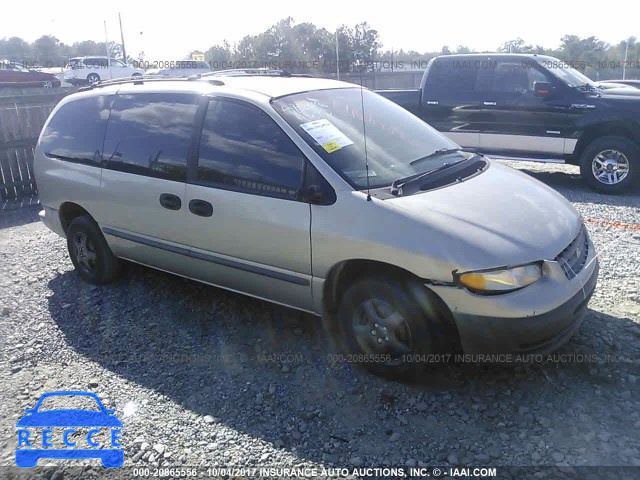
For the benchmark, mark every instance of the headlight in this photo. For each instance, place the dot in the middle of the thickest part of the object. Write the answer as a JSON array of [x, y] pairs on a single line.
[[501, 281]]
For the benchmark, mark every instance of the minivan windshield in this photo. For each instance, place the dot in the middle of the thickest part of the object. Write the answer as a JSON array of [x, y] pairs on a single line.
[[333, 124]]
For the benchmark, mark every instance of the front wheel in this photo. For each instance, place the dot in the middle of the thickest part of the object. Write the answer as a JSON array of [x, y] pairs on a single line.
[[383, 327], [610, 164], [48, 84], [93, 78], [91, 256]]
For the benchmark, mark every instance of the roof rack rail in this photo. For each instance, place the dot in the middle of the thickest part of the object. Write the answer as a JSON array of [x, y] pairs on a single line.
[[240, 72], [136, 81]]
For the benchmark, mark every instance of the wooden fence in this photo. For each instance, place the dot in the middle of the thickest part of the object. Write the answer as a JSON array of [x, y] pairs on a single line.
[[400, 79], [21, 120]]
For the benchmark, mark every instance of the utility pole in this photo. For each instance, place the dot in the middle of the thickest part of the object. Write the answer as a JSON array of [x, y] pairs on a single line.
[[106, 40], [337, 57], [124, 52], [624, 64]]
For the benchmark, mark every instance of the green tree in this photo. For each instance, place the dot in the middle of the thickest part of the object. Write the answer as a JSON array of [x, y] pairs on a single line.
[[219, 56], [48, 51], [15, 49], [518, 45]]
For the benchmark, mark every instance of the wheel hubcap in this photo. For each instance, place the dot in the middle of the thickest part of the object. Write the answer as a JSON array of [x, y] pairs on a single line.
[[84, 251], [610, 167], [380, 328]]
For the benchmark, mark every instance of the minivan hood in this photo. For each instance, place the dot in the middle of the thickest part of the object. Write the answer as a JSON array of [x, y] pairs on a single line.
[[500, 217]]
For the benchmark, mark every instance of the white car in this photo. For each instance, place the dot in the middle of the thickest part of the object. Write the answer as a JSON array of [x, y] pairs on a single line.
[[91, 70]]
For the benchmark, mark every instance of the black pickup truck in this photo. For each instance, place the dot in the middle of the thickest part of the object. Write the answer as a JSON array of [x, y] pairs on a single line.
[[535, 108]]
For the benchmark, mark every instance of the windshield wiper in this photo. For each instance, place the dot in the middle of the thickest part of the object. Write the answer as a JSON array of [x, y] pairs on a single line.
[[438, 153], [396, 186]]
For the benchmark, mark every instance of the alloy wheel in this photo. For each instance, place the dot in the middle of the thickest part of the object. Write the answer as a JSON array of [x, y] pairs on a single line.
[[610, 167]]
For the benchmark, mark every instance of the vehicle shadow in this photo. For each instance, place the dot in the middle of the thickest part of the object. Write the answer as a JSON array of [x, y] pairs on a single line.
[[253, 366], [19, 217]]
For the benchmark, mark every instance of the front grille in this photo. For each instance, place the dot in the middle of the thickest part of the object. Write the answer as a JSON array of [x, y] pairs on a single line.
[[573, 258]]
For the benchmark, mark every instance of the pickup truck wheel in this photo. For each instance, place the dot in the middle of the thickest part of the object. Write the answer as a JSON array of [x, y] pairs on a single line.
[[382, 328], [91, 256], [610, 164]]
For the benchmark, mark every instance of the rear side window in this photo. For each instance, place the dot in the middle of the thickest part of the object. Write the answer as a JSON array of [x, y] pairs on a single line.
[[242, 148], [96, 62], [76, 131], [149, 134], [464, 77]]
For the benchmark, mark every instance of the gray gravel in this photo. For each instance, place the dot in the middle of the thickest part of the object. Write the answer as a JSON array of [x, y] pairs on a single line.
[[201, 376]]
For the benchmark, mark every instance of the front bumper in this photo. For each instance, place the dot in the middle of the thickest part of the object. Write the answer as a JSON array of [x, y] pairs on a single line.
[[51, 219], [535, 334]]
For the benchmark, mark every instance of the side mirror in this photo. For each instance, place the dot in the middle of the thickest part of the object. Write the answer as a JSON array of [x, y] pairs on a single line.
[[542, 89]]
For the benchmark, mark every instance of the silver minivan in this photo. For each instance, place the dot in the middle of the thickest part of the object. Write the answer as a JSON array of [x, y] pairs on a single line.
[[321, 196]]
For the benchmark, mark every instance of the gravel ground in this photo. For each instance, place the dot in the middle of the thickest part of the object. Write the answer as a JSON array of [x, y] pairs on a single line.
[[203, 377]]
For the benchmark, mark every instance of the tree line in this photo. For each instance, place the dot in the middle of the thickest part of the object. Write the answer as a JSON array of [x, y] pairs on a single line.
[[306, 48]]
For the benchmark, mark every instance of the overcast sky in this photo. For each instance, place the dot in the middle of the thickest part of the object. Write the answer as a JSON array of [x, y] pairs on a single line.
[[170, 29]]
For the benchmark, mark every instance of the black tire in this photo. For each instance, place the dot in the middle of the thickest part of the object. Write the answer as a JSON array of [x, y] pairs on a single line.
[[622, 152], [93, 78], [377, 354], [91, 256]]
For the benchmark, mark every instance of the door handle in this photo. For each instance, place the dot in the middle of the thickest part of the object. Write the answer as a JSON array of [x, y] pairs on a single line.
[[200, 207], [170, 201], [490, 104]]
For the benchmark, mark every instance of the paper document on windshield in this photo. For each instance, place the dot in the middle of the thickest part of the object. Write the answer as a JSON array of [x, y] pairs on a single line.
[[327, 135]]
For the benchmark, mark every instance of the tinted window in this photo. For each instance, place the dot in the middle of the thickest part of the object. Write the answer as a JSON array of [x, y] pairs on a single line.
[[76, 131], [460, 77], [96, 63], [243, 148], [149, 134]]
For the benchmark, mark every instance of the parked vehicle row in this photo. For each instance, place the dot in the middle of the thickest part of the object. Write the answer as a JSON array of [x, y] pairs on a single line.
[[14, 74], [535, 108], [321, 196], [91, 70]]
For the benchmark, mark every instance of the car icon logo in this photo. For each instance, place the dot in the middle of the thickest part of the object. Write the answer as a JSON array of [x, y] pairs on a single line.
[[29, 451]]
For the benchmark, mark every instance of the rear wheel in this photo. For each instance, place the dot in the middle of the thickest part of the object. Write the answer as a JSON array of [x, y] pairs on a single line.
[[610, 164], [47, 84], [383, 328], [90, 253]]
